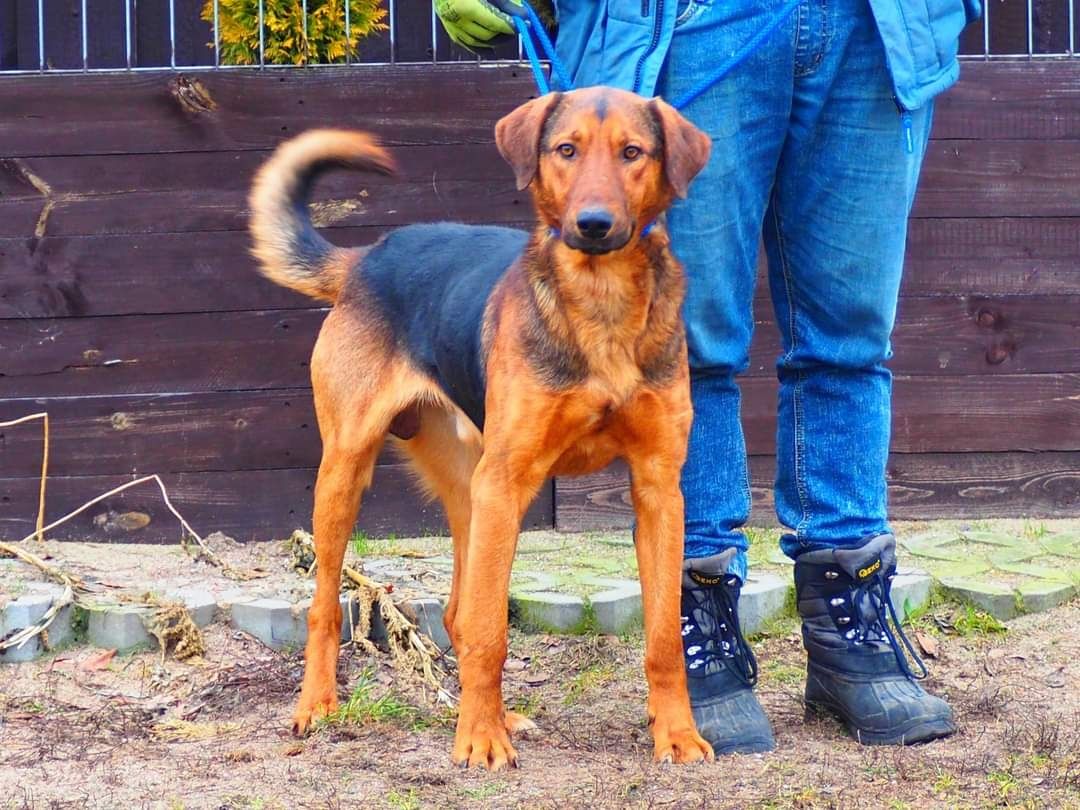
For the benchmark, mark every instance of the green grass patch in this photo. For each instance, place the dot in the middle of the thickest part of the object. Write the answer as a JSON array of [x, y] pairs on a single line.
[[942, 615], [488, 790], [364, 545], [782, 674], [364, 708], [403, 800], [974, 622], [592, 677], [526, 705]]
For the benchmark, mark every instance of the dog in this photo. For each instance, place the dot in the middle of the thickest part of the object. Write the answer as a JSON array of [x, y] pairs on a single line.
[[495, 358]]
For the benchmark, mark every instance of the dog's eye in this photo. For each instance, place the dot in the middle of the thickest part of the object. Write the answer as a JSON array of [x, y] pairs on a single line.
[[631, 153], [567, 150]]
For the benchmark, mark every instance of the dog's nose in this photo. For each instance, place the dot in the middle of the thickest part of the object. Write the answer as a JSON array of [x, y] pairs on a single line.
[[594, 223]]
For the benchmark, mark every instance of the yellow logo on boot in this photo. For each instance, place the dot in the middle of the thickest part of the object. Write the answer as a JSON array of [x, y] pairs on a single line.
[[870, 569]]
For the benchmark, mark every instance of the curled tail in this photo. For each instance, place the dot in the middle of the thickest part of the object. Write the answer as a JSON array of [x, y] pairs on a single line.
[[289, 249]]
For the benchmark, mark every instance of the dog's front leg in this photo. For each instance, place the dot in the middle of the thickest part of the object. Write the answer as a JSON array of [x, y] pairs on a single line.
[[501, 492], [656, 452]]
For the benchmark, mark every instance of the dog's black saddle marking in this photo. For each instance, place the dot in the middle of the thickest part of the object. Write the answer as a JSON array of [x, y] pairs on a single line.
[[432, 284]]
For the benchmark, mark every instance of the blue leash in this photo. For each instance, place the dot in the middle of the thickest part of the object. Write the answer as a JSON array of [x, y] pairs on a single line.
[[535, 26]]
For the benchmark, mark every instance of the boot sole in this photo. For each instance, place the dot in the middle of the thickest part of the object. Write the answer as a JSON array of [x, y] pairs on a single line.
[[918, 731]]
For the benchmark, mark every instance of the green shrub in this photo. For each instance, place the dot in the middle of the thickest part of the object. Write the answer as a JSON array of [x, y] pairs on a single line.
[[284, 41]]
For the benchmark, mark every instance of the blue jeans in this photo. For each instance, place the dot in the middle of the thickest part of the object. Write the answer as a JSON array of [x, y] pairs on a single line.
[[810, 153]]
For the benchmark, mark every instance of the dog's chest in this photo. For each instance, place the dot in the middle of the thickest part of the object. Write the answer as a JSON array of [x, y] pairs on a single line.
[[614, 376]]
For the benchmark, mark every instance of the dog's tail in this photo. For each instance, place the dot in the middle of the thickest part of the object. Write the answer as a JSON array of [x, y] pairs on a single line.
[[289, 249]]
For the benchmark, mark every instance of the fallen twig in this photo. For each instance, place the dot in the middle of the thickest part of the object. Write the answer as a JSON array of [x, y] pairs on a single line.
[[166, 625], [410, 649]]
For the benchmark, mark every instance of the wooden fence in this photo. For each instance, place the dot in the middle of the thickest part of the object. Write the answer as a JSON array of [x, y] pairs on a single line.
[[130, 311]]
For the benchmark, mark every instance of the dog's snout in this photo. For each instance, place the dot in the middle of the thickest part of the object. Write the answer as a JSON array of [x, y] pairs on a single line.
[[595, 223]]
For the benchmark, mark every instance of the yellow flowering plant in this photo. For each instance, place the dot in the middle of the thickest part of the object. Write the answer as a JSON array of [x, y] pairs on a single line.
[[285, 40]]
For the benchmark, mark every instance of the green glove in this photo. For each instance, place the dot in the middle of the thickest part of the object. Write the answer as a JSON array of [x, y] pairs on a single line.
[[473, 23]]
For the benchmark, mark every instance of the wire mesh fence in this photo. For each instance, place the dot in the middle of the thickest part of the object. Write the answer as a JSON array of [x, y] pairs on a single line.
[[76, 36], [54, 36]]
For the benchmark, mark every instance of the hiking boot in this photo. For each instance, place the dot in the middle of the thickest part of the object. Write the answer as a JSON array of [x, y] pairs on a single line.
[[856, 663], [720, 666]]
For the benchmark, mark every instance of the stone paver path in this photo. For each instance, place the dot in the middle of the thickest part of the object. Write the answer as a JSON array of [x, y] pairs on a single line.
[[560, 583]]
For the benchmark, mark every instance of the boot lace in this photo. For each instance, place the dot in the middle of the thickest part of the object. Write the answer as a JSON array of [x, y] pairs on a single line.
[[711, 633], [871, 608]]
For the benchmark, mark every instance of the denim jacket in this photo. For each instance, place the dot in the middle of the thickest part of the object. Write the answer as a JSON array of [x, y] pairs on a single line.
[[624, 42]]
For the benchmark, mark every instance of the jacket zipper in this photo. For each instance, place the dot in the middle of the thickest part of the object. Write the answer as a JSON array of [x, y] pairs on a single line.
[[906, 126], [657, 26]]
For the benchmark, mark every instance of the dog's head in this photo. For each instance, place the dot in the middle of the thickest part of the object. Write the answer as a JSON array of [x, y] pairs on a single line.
[[601, 163]]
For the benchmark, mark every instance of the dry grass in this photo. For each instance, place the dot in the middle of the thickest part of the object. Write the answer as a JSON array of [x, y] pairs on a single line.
[[214, 735]]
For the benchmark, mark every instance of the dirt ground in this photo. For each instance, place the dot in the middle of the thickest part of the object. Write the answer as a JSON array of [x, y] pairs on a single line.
[[78, 729]]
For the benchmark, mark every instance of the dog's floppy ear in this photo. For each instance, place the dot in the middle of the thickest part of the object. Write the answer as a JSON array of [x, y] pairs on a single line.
[[518, 136], [686, 148]]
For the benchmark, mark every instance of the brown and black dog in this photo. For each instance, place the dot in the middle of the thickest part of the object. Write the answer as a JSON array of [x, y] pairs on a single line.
[[496, 359]]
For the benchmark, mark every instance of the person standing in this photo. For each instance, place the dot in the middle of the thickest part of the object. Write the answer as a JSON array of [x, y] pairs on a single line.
[[818, 140]]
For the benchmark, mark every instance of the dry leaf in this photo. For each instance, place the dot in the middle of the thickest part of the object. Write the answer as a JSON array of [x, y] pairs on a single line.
[[927, 643], [536, 678], [99, 660]]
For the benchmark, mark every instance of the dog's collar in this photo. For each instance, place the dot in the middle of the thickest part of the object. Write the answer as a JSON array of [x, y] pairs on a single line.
[[644, 231]]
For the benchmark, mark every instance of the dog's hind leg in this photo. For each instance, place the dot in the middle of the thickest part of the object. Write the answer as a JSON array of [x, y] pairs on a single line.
[[355, 410], [444, 453], [345, 472]]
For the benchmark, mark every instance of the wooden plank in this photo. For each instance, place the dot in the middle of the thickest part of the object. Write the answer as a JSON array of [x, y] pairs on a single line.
[[156, 273], [208, 193], [993, 256], [987, 178], [268, 349], [115, 194], [242, 430], [1011, 100], [140, 113], [157, 353], [246, 505], [411, 104], [115, 176], [132, 435], [971, 414], [921, 487], [365, 204], [963, 335], [119, 275]]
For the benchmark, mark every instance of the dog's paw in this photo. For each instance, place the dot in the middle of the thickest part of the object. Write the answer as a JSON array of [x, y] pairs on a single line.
[[680, 746], [515, 723], [484, 743], [309, 711]]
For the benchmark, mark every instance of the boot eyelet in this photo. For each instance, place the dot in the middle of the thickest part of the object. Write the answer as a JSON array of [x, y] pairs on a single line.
[[733, 582], [836, 601], [831, 575], [843, 620]]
